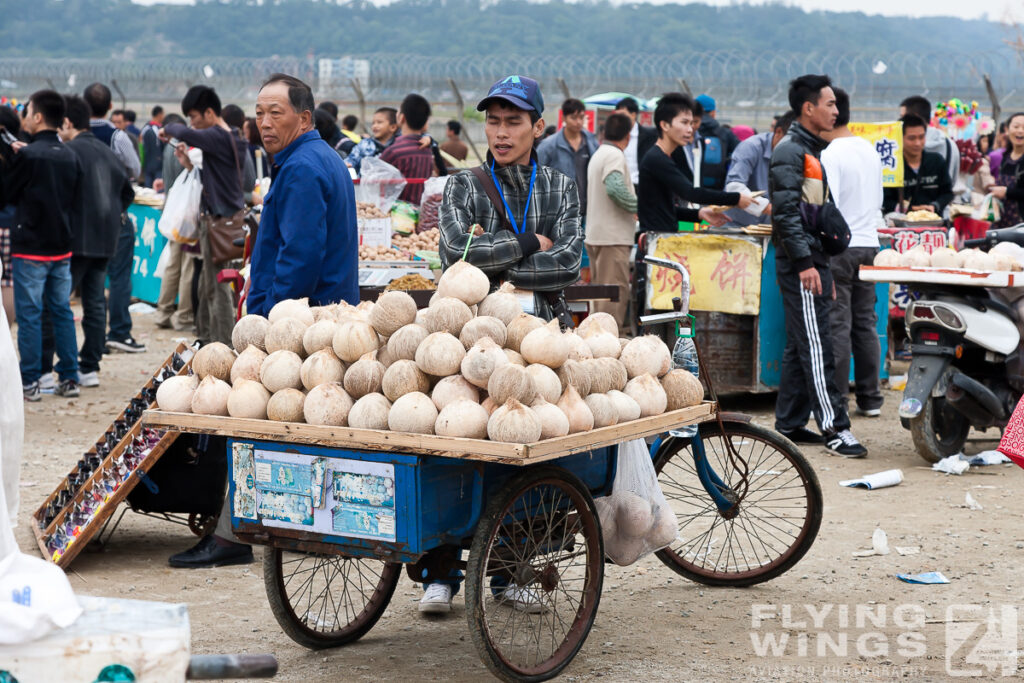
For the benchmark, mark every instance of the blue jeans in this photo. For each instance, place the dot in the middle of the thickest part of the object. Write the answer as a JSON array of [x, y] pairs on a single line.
[[119, 273], [88, 275], [38, 284]]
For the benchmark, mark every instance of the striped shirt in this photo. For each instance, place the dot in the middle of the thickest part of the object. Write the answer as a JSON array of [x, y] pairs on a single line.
[[412, 161]]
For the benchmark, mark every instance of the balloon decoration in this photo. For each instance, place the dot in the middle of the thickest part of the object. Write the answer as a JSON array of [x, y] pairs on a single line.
[[958, 118]]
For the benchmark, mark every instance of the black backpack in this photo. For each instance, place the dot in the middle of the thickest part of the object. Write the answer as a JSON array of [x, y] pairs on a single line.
[[831, 228]]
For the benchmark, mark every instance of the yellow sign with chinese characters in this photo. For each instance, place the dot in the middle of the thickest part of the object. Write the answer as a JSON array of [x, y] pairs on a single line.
[[725, 273], [887, 139]]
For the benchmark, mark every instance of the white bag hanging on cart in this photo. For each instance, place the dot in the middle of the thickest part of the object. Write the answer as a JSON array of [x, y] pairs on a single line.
[[636, 520], [179, 221]]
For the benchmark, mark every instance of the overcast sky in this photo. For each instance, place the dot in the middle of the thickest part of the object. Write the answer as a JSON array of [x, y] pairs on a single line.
[[996, 10]]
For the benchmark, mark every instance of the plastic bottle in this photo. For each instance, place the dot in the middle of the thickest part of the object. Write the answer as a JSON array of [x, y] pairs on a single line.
[[684, 356]]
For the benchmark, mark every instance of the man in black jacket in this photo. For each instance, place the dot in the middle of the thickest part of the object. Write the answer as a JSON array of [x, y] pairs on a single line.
[[42, 181], [97, 217], [926, 182], [797, 185]]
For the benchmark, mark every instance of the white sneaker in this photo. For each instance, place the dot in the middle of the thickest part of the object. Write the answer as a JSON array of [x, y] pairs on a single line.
[[437, 599], [88, 379], [47, 384], [528, 600]]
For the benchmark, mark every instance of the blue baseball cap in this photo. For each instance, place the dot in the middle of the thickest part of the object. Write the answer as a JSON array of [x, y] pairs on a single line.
[[519, 91], [707, 102]]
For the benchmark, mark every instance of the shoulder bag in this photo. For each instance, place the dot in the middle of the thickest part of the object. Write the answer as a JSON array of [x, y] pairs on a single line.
[[225, 230]]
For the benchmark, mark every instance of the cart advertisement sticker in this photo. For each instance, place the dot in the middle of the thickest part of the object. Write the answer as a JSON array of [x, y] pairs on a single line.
[[284, 477], [887, 139], [245, 481], [363, 495], [725, 273], [287, 507], [364, 522]]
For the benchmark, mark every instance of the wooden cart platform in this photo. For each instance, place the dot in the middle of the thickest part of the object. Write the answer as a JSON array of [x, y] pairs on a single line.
[[429, 444]]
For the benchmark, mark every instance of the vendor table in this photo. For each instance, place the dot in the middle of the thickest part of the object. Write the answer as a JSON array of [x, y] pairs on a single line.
[[736, 301], [149, 243], [572, 293]]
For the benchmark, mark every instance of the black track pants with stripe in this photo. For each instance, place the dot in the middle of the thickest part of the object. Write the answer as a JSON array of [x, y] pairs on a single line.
[[807, 383]]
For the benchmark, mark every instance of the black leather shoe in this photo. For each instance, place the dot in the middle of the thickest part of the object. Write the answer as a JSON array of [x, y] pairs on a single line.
[[803, 435], [211, 553]]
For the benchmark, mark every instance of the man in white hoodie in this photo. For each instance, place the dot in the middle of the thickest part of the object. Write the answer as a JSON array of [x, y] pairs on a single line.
[[935, 140]]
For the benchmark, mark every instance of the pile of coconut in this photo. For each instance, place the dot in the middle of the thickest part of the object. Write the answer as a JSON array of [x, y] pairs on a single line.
[[1005, 256], [470, 365]]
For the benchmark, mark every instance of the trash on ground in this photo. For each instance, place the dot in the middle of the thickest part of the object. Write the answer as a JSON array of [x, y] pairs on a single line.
[[926, 577], [879, 545], [907, 550], [878, 480], [898, 382], [986, 458], [953, 464], [142, 308], [971, 503]]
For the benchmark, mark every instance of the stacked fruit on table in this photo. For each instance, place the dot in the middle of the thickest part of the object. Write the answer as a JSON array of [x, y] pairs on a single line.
[[1005, 256], [472, 364], [403, 247]]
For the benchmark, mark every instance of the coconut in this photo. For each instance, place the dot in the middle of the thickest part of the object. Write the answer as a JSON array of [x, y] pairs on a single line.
[[647, 392], [603, 409], [980, 261], [511, 381], [522, 325], [440, 354], [576, 374], [515, 357], [403, 377], [414, 413], [548, 386], [370, 412], [466, 419], [248, 399], [281, 370], [577, 412], [943, 257], [250, 331], [322, 313], [489, 405], [545, 345], [481, 360], [286, 334], [665, 530], [465, 282], [319, 335], [478, 328], [578, 348], [392, 311], [447, 314], [647, 354], [327, 404], [514, 423], [601, 343], [634, 516], [404, 342], [353, 340], [617, 375], [553, 421], [364, 377], [211, 397], [917, 257], [214, 359], [286, 406], [887, 258], [320, 368], [247, 365], [682, 389], [1002, 261], [292, 308], [626, 407], [600, 376], [452, 389], [501, 304], [175, 393], [601, 321]]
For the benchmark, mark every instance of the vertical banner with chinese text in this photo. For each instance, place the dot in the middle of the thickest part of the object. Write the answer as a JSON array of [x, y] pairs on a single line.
[[887, 139]]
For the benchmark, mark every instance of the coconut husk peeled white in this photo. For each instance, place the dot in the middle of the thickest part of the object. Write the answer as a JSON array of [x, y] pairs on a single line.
[[403, 377], [319, 335], [392, 311], [581, 418], [248, 399], [452, 389], [413, 413], [364, 377], [247, 365], [446, 314], [887, 258], [465, 282], [511, 381], [465, 419], [370, 412], [576, 374], [501, 304], [327, 404], [403, 343], [175, 393], [627, 408], [545, 345], [682, 389], [321, 368], [603, 409], [286, 334], [647, 354], [514, 423], [440, 354], [481, 360], [515, 358], [292, 308], [286, 406], [249, 331], [354, 339], [522, 325], [600, 321], [211, 397], [548, 386], [578, 348], [281, 370], [649, 393], [480, 327], [214, 359], [553, 421]]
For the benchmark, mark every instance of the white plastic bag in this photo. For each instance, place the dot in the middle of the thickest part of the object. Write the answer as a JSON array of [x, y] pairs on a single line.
[[179, 221], [35, 598], [635, 518], [380, 183], [12, 426]]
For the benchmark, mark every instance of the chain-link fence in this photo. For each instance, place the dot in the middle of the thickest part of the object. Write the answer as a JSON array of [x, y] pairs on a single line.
[[746, 84]]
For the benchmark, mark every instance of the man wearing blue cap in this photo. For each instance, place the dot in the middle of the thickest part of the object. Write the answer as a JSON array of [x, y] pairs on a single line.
[[524, 219], [718, 145]]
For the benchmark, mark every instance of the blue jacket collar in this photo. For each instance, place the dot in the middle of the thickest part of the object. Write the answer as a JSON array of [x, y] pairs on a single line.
[[283, 155]]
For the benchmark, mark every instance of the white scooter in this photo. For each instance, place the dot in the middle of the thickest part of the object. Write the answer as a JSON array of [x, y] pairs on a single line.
[[961, 341]]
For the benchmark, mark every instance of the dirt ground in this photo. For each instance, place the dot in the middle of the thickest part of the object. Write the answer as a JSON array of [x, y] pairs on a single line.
[[832, 617]]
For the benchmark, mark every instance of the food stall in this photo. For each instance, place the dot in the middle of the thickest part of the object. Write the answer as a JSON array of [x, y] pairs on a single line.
[[735, 300], [144, 214]]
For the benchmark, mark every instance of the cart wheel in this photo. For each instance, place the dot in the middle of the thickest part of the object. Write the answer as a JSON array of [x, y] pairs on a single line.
[[777, 520], [541, 534], [201, 525], [327, 600]]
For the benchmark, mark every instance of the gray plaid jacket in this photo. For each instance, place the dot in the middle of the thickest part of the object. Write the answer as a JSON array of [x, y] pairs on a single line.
[[554, 213]]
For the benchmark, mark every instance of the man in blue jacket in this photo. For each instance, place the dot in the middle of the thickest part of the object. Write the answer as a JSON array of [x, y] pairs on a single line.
[[308, 243]]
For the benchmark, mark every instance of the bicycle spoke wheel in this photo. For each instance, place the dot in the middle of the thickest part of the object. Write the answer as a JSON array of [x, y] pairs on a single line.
[[777, 519], [327, 600], [534, 576]]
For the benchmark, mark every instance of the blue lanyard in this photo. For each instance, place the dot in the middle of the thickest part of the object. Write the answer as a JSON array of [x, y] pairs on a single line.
[[529, 196]]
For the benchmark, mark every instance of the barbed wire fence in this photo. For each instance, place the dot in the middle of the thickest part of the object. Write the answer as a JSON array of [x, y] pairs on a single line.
[[750, 87]]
